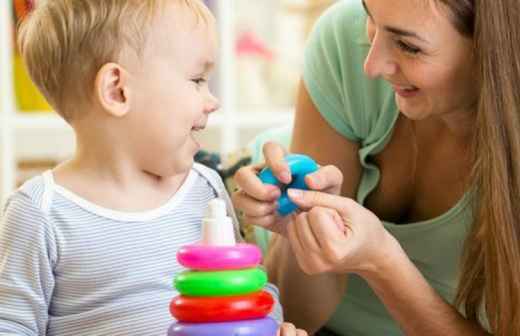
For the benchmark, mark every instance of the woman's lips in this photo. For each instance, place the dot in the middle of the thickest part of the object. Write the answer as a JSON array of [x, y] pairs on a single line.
[[405, 91]]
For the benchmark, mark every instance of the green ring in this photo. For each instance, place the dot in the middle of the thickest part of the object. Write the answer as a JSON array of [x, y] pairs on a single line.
[[220, 283]]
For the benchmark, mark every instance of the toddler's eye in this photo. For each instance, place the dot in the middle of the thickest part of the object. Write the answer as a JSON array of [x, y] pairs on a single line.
[[199, 81]]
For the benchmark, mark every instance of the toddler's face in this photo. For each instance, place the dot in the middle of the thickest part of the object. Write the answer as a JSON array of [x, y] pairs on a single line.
[[172, 99]]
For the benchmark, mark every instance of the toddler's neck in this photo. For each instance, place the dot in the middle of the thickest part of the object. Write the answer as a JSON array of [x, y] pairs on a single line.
[[117, 188]]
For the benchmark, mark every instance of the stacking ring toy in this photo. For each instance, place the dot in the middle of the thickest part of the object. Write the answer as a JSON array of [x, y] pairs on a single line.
[[261, 327], [221, 309], [299, 165], [203, 258], [223, 283]]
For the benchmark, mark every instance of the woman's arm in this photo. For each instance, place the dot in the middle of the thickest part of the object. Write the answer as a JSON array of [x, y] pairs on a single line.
[[309, 301], [365, 248], [312, 135], [413, 303]]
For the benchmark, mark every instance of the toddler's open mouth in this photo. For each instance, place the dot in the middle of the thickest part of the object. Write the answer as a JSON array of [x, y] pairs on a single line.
[[198, 128]]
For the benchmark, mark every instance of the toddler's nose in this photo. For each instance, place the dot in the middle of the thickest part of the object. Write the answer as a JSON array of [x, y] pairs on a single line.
[[212, 105]]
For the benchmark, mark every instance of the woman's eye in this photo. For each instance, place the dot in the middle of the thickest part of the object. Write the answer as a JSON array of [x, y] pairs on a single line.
[[408, 48]]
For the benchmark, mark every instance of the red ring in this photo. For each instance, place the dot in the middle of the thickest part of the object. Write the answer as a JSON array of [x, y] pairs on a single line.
[[221, 309]]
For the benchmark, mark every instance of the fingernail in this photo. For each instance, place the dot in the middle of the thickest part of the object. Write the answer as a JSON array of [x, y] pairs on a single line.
[[315, 179], [286, 177], [295, 194], [275, 193]]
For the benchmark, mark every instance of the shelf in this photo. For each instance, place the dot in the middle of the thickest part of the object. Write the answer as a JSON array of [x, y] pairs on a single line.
[[39, 120], [264, 118]]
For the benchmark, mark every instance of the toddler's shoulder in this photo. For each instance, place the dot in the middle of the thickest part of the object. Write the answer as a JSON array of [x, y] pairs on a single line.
[[210, 175], [35, 193]]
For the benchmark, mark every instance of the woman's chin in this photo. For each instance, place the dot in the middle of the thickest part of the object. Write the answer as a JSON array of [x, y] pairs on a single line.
[[412, 112]]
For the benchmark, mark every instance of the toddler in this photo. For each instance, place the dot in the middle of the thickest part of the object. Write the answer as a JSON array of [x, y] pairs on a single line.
[[89, 247]]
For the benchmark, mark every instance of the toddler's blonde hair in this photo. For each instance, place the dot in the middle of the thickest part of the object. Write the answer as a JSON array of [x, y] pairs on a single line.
[[64, 43]]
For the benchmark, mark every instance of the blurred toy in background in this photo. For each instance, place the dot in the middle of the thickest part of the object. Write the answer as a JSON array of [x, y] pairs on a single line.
[[295, 21], [270, 38], [310, 10], [253, 61], [28, 98], [264, 77], [23, 7]]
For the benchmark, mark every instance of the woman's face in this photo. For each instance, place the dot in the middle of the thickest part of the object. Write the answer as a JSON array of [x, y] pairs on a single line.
[[416, 48]]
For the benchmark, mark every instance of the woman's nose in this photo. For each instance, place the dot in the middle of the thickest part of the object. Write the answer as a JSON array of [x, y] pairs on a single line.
[[379, 61]]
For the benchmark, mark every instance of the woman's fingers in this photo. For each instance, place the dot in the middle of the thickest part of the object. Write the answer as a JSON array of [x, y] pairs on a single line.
[[262, 221], [247, 180], [326, 178], [351, 237], [303, 256], [304, 233], [273, 223], [288, 329], [252, 207], [310, 261], [301, 332], [328, 229], [326, 225], [293, 238], [307, 199], [274, 155]]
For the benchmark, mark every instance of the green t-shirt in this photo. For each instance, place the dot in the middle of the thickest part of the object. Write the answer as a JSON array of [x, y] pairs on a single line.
[[364, 111]]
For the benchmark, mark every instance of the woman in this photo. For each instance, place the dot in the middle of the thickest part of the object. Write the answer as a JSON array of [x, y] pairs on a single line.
[[426, 143]]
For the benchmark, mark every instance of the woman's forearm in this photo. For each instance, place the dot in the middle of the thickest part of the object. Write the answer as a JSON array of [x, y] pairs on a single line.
[[308, 301], [413, 303]]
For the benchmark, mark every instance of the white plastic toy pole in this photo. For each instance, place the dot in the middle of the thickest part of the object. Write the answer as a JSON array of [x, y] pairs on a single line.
[[217, 227]]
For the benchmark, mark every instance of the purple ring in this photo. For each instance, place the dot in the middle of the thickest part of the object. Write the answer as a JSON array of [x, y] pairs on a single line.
[[261, 327]]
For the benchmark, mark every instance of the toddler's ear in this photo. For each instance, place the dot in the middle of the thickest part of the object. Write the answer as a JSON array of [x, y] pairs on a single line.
[[111, 89]]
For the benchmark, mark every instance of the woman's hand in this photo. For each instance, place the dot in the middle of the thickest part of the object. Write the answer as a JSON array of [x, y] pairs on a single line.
[[336, 234], [258, 201], [288, 329]]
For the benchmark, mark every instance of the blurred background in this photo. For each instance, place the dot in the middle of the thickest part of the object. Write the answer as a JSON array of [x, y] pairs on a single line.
[[260, 62]]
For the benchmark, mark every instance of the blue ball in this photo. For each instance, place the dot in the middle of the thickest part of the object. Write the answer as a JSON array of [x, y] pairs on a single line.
[[300, 166]]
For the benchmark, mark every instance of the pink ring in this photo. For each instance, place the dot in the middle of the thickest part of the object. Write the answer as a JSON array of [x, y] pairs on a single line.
[[204, 258]]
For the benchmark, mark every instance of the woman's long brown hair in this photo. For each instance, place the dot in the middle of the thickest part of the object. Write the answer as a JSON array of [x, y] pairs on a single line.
[[490, 274]]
